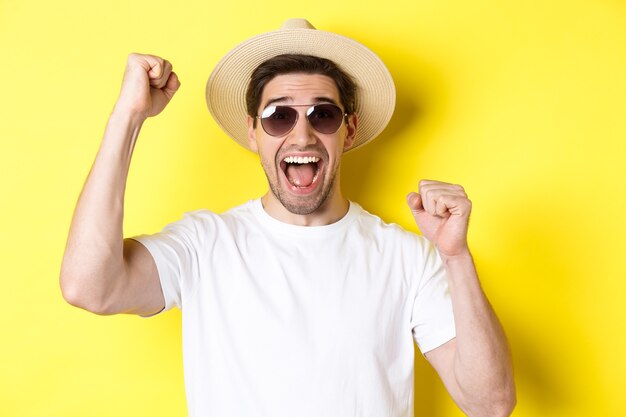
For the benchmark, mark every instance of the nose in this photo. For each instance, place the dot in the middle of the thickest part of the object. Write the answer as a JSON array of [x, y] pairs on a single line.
[[302, 133]]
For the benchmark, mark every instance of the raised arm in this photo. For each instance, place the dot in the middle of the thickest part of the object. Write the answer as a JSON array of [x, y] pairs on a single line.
[[101, 272], [476, 366]]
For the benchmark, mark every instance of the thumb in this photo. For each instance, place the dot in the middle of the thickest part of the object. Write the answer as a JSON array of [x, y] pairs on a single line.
[[414, 201], [172, 85], [421, 216]]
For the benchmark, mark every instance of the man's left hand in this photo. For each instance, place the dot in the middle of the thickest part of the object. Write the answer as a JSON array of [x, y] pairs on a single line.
[[442, 212]]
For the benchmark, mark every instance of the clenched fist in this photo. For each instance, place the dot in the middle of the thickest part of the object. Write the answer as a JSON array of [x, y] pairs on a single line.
[[441, 212], [149, 85]]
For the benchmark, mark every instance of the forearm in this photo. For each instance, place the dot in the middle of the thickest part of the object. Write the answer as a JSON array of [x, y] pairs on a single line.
[[482, 363], [93, 257]]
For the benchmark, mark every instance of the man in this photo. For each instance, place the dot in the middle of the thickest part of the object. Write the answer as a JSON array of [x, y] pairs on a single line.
[[300, 302]]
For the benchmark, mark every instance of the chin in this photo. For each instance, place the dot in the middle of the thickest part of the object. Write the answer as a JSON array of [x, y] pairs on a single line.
[[303, 204]]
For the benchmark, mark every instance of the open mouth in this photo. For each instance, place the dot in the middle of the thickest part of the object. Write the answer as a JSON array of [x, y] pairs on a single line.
[[301, 171]]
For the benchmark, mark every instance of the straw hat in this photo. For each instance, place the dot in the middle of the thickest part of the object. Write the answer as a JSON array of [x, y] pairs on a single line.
[[226, 88]]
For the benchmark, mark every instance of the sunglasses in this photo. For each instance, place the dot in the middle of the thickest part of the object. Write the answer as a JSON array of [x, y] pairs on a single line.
[[325, 118]]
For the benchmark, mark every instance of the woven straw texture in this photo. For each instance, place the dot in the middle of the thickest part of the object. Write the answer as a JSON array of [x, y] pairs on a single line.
[[226, 87]]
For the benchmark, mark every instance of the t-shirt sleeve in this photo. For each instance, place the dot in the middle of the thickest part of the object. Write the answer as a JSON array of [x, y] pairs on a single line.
[[175, 251], [432, 320]]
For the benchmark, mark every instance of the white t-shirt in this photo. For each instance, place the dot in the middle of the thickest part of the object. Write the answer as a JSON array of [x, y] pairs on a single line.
[[282, 320]]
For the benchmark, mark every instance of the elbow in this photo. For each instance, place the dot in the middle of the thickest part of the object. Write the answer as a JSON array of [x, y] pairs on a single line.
[[501, 404], [72, 294], [507, 398], [503, 407], [79, 295], [498, 402]]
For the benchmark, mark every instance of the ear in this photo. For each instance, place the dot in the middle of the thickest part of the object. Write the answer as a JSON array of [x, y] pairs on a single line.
[[351, 124], [252, 135]]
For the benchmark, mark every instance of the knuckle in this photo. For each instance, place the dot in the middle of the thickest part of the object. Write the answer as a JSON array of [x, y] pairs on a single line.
[[133, 56]]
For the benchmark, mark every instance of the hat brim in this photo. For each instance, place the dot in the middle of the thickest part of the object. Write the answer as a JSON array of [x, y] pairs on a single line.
[[227, 85]]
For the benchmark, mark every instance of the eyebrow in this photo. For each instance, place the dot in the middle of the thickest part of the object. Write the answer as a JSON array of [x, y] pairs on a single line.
[[316, 100]]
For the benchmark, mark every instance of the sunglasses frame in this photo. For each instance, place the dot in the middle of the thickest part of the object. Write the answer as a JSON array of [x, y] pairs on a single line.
[[309, 111]]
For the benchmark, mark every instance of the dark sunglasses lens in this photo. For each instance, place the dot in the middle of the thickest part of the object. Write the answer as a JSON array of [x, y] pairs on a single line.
[[278, 120], [325, 118]]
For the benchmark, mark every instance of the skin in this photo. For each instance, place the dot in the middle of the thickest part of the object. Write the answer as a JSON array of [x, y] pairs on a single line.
[[475, 366], [105, 274], [102, 272], [325, 204]]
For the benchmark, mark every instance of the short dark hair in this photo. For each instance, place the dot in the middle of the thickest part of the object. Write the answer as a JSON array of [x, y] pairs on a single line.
[[298, 63]]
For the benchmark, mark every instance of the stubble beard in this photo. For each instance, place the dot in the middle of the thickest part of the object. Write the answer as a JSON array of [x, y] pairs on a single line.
[[300, 205]]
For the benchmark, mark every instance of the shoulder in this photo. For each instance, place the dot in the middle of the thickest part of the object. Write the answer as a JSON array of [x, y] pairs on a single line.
[[373, 224], [407, 244], [203, 222]]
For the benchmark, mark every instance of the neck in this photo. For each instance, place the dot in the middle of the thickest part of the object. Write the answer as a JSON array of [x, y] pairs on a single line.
[[331, 211]]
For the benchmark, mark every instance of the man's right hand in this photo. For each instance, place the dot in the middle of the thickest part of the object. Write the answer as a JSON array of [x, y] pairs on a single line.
[[101, 272], [149, 85]]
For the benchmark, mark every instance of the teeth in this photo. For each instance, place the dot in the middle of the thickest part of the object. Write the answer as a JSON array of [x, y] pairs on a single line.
[[301, 159]]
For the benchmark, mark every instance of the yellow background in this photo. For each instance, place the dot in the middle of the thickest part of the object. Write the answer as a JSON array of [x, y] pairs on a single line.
[[524, 103]]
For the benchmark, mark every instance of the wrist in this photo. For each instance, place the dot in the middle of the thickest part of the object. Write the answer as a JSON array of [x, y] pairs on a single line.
[[121, 134], [121, 115], [459, 258], [460, 270]]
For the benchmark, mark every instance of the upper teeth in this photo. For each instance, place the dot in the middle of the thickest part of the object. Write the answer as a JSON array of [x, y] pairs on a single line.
[[301, 159]]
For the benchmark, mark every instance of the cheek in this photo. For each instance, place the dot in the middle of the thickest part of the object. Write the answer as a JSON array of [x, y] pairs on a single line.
[[334, 147], [267, 155]]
